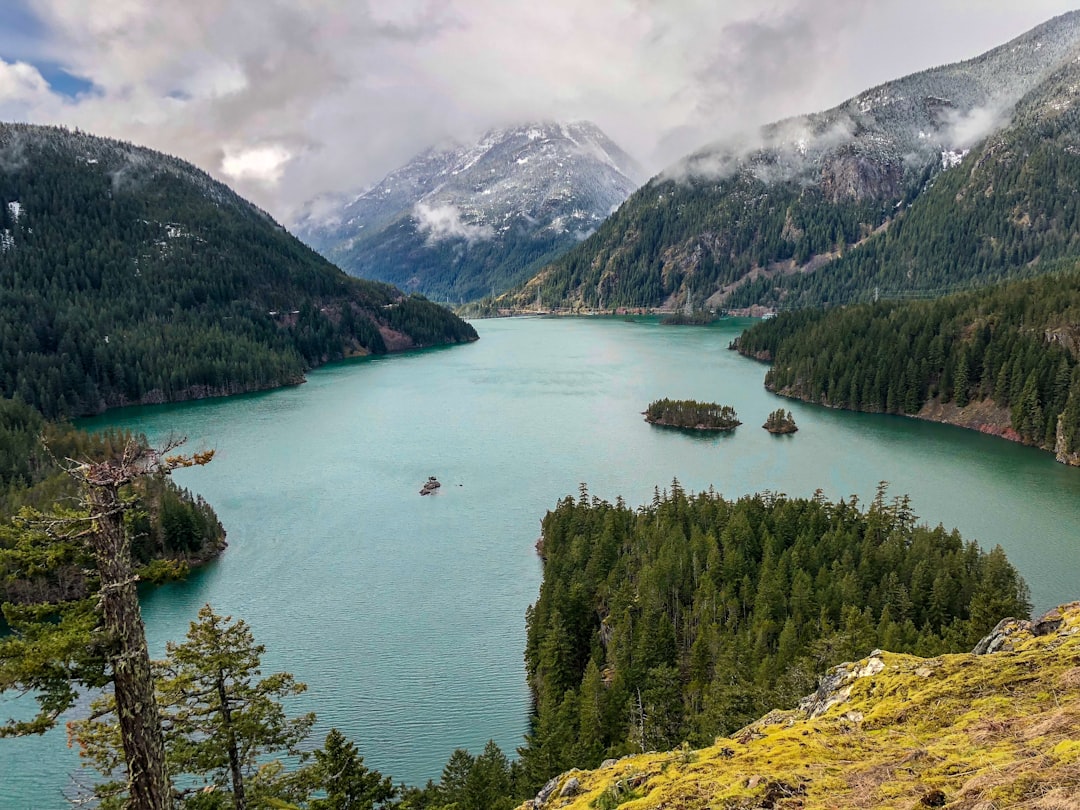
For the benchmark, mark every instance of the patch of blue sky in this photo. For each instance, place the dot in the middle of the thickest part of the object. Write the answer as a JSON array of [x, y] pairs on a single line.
[[22, 33], [62, 82], [24, 38]]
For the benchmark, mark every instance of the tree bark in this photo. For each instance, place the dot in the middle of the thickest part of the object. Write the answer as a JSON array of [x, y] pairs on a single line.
[[239, 800], [136, 707]]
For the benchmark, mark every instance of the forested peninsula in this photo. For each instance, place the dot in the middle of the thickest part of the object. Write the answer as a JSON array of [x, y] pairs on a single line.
[[171, 530], [693, 615], [1004, 360], [131, 277]]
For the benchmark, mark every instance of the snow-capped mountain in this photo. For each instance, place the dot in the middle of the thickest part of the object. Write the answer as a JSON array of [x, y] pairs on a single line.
[[865, 146], [822, 207], [457, 222]]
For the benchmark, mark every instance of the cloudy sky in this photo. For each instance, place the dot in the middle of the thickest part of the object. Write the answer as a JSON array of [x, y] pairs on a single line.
[[285, 99]]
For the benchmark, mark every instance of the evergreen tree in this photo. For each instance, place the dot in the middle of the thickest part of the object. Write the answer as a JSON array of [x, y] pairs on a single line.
[[223, 717], [339, 773], [99, 640], [222, 723]]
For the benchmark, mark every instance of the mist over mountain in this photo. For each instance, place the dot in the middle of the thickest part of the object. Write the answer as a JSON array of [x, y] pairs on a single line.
[[740, 222], [460, 221]]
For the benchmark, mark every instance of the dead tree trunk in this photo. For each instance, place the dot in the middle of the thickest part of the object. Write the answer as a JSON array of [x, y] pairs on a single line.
[[125, 634], [133, 683]]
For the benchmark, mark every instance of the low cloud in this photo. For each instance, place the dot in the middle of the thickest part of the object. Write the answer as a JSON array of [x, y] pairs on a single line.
[[444, 222], [288, 99], [259, 164], [787, 145], [12, 154], [966, 130]]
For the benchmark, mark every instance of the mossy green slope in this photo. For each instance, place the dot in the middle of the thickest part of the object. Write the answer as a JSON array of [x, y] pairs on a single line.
[[892, 731]]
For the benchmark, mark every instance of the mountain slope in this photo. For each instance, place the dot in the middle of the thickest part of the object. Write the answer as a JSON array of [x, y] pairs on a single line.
[[127, 276], [457, 222], [803, 192], [890, 731]]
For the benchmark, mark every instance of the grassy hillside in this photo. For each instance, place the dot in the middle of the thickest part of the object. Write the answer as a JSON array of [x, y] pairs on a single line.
[[127, 276]]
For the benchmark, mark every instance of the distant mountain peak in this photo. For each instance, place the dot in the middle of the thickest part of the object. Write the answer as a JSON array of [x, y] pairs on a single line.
[[460, 219], [903, 122]]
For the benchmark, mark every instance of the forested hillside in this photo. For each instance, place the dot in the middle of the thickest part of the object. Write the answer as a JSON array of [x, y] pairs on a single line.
[[692, 616], [1008, 209], [950, 177], [1009, 353], [127, 276]]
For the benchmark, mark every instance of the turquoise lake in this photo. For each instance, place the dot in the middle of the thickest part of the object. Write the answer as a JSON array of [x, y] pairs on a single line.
[[405, 614]]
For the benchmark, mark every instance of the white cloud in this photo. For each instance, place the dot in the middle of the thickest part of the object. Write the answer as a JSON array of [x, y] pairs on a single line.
[[349, 89], [444, 222], [20, 81], [24, 92], [257, 164], [964, 131]]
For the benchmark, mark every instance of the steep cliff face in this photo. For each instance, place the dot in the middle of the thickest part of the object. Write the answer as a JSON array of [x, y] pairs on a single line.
[[996, 728]]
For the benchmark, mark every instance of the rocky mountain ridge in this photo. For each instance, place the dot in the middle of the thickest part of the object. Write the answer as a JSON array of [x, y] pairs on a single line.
[[999, 727], [746, 221], [459, 220]]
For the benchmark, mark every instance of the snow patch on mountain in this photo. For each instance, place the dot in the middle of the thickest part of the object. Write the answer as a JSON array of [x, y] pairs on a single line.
[[951, 158], [902, 125]]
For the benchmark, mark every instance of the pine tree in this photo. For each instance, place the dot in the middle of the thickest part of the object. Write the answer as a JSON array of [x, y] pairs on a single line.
[[487, 786], [339, 772], [223, 717], [455, 777]]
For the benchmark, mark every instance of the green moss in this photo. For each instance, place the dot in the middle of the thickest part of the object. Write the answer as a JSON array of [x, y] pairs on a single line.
[[1001, 728]]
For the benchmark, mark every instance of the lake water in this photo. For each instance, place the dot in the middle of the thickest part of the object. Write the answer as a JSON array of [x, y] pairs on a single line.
[[405, 614]]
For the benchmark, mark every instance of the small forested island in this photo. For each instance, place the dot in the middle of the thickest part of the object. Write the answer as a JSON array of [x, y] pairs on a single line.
[[698, 317], [780, 422], [692, 415]]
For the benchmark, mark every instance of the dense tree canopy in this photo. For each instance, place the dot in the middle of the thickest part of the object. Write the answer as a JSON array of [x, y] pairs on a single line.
[[1014, 345], [692, 616], [127, 276]]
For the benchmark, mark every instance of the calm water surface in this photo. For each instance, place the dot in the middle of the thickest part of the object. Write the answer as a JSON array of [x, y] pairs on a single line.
[[405, 615]]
